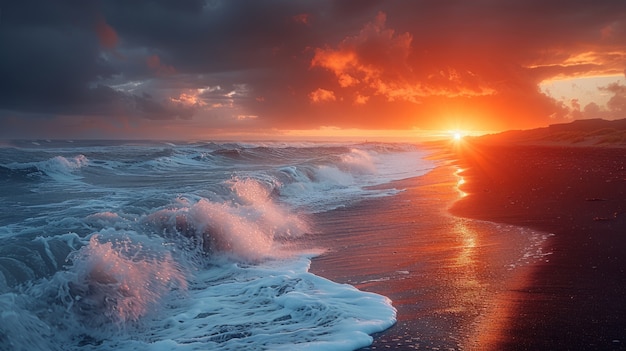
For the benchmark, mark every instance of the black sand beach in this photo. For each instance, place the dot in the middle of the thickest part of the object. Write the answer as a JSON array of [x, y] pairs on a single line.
[[576, 300], [451, 277]]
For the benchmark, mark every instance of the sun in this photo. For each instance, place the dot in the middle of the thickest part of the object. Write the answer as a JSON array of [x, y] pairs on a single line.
[[456, 135]]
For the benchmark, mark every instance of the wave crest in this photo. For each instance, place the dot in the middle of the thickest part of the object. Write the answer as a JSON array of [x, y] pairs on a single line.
[[250, 226]]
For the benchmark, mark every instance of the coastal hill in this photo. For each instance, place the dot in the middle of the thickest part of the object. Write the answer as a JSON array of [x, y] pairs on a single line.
[[586, 132]]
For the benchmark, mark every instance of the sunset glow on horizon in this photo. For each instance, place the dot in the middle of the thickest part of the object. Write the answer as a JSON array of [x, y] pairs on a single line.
[[198, 69]]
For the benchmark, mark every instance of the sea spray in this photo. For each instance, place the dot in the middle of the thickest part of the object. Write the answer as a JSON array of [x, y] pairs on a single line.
[[119, 280], [248, 226], [358, 162]]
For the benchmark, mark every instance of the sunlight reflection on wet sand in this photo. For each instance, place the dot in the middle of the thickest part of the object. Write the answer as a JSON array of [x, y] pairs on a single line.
[[446, 275], [460, 181]]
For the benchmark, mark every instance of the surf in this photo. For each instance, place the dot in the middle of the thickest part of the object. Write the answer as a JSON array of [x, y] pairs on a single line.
[[115, 245]]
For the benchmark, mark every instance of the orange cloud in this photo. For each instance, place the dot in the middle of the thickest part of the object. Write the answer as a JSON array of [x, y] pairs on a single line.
[[361, 100], [581, 64], [321, 95], [189, 100], [375, 62]]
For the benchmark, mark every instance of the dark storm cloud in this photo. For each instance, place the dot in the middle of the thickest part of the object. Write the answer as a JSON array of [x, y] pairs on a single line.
[[57, 56], [49, 53], [212, 36]]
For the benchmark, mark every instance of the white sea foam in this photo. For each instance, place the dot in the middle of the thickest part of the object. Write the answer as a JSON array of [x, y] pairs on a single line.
[[62, 168], [125, 291], [276, 305], [328, 186]]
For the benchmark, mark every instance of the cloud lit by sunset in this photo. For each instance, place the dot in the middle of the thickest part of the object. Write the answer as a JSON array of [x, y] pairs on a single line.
[[178, 70]]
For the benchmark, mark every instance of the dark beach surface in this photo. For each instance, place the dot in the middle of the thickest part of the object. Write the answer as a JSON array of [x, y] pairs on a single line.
[[577, 299], [533, 258]]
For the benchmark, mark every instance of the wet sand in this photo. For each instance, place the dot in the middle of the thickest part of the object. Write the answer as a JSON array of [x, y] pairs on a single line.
[[577, 299], [443, 273], [481, 272]]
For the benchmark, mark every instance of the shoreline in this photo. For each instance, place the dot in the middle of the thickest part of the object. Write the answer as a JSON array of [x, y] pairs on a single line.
[[571, 299], [443, 272]]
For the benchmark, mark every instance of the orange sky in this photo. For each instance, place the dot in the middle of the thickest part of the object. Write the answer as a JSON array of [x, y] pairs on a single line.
[[271, 69]]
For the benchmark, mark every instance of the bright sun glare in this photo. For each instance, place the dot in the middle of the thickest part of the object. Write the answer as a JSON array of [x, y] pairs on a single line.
[[457, 135]]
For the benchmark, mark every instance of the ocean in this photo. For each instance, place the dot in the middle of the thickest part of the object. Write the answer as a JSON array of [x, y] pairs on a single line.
[[137, 245]]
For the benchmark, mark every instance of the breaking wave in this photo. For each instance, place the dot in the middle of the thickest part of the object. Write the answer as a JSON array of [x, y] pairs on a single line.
[[186, 247]]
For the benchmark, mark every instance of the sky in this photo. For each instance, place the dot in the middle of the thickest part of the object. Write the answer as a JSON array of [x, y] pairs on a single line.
[[221, 69]]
